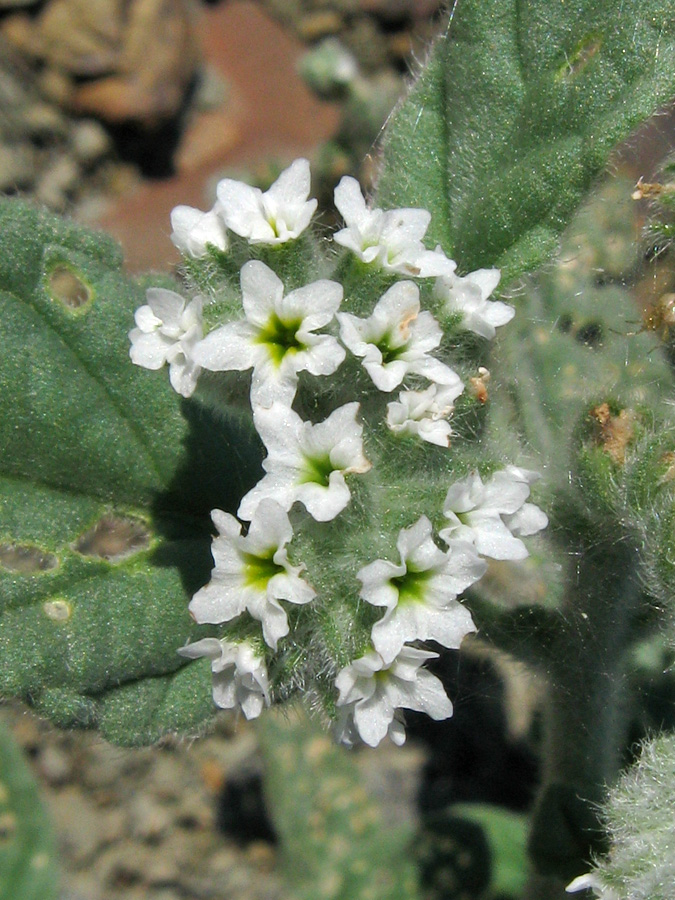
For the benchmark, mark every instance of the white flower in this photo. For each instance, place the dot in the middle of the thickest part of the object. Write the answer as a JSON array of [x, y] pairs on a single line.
[[276, 339], [252, 573], [420, 593], [280, 214], [239, 674], [390, 239], [167, 332], [371, 692], [425, 413], [194, 230], [469, 296], [307, 462], [487, 514], [591, 882], [396, 339]]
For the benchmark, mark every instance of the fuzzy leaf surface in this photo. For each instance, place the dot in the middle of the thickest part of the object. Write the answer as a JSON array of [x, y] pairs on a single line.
[[516, 114], [107, 478]]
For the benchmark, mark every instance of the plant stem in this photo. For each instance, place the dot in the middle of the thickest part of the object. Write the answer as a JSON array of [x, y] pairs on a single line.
[[586, 719]]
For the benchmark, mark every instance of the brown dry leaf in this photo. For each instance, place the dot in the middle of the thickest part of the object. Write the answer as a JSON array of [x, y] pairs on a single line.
[[479, 385], [615, 432]]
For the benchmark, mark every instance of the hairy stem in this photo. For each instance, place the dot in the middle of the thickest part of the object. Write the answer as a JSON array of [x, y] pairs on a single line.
[[586, 718]]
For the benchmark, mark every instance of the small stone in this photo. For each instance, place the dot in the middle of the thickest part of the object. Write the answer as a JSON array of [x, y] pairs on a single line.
[[12, 92], [27, 730], [80, 886], [82, 36], [367, 44], [261, 855], [55, 85], [106, 767], [167, 778], [155, 65], [170, 893], [17, 167], [43, 120], [163, 868], [113, 822], [222, 861], [21, 33], [319, 24], [148, 820], [90, 141], [55, 765], [57, 183], [78, 824], [123, 864], [193, 812]]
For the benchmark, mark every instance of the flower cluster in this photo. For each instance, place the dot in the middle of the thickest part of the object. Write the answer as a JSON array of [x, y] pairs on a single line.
[[280, 214], [285, 339], [493, 516], [391, 239]]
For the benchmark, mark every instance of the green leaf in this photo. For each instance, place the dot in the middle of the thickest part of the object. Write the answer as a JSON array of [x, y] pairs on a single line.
[[335, 843], [28, 869], [506, 832], [516, 114], [107, 479], [477, 848]]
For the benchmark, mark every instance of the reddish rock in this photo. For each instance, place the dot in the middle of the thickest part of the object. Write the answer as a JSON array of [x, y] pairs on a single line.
[[271, 114], [138, 56]]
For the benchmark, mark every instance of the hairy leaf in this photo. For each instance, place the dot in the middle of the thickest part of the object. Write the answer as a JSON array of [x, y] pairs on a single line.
[[515, 115], [107, 479]]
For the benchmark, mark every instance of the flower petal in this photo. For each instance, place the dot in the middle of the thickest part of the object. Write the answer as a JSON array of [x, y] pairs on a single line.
[[293, 185], [241, 209], [529, 519], [350, 201]]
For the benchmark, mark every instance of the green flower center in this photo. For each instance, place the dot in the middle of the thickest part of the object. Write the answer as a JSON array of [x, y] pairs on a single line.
[[273, 225], [280, 337], [411, 586], [258, 570], [389, 350], [316, 470], [382, 676]]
